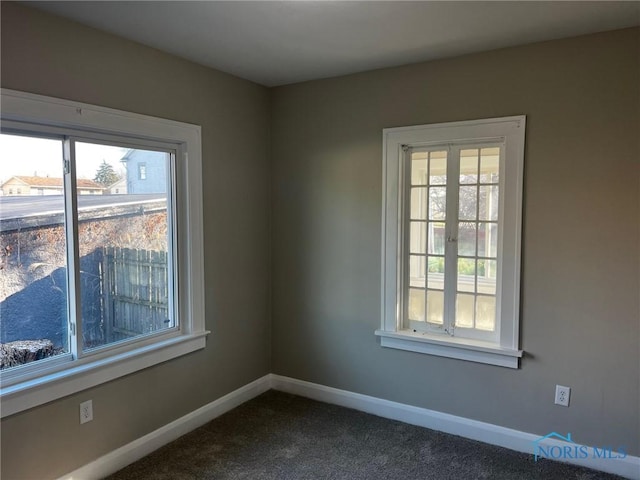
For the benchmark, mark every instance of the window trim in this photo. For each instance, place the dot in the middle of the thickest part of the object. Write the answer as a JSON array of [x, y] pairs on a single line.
[[509, 131], [60, 377]]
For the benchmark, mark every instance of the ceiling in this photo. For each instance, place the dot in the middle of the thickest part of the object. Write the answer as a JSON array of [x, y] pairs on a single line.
[[277, 43]]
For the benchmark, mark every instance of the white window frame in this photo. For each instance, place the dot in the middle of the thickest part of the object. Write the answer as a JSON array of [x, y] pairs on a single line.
[[142, 171], [508, 131], [46, 380]]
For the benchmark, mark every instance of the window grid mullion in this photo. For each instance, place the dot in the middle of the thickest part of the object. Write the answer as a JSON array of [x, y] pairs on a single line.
[[477, 230], [426, 239], [405, 214], [451, 245], [73, 250]]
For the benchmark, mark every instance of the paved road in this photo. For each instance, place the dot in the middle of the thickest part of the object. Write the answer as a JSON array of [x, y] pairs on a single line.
[[29, 205]]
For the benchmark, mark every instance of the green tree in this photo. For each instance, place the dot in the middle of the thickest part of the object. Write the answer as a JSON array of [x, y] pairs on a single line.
[[106, 175]]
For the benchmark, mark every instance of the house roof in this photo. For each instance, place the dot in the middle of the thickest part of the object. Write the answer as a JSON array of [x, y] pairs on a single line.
[[54, 182], [122, 181]]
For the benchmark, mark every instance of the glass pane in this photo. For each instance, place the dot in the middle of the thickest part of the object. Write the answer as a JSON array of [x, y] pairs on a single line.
[[437, 203], [418, 237], [466, 238], [488, 203], [416, 304], [491, 269], [438, 168], [436, 265], [419, 168], [469, 166], [417, 271], [466, 275], [487, 240], [419, 203], [467, 203], [436, 273], [33, 278], [436, 238], [124, 243], [486, 313], [435, 307], [464, 310], [489, 165], [487, 276]]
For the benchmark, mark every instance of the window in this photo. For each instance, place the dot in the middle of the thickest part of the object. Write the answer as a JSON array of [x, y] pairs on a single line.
[[104, 285], [451, 239], [142, 171]]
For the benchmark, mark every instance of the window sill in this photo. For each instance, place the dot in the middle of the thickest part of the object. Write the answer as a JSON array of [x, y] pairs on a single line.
[[31, 393], [451, 347]]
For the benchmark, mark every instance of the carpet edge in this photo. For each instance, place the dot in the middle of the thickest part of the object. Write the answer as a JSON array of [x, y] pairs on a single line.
[[143, 446], [628, 467]]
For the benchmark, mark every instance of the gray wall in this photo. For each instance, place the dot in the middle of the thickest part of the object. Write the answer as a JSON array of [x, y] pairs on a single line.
[[580, 290], [580, 265], [51, 56]]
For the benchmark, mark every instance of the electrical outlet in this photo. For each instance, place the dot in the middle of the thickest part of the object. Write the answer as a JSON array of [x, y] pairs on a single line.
[[562, 395], [86, 411]]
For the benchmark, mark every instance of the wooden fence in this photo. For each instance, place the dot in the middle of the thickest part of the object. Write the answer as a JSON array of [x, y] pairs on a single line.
[[134, 291]]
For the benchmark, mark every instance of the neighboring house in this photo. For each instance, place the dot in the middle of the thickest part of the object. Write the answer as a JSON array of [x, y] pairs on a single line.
[[146, 171], [117, 188], [20, 185]]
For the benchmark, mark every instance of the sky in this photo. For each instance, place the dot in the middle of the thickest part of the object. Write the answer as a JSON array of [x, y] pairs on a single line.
[[28, 156]]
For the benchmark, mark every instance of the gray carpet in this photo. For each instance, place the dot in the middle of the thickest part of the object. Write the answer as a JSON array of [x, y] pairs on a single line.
[[280, 436]]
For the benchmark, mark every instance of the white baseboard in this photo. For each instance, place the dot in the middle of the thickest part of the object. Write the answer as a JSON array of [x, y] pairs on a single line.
[[127, 454], [628, 467]]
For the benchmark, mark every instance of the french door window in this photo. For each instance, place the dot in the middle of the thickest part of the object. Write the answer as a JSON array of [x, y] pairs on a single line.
[[451, 239]]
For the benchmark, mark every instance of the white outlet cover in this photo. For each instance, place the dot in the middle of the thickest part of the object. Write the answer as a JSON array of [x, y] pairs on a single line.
[[562, 395], [86, 411]]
